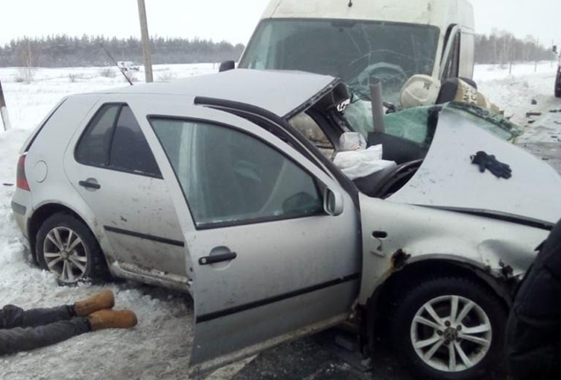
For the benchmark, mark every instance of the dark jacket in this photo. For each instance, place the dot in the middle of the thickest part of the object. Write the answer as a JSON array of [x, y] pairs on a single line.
[[534, 328]]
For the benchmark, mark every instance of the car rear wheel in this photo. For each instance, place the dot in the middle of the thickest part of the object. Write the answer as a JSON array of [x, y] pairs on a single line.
[[66, 247], [449, 328], [558, 86]]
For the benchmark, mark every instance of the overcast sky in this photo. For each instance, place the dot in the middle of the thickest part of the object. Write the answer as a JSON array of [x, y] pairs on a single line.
[[231, 20]]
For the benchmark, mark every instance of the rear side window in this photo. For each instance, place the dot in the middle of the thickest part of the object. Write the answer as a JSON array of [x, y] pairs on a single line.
[[94, 144], [114, 140]]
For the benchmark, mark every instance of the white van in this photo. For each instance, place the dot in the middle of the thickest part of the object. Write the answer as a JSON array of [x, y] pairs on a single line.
[[361, 40]]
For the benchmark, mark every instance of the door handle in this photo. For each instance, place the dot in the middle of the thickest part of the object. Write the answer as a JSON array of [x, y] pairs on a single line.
[[209, 260], [88, 184]]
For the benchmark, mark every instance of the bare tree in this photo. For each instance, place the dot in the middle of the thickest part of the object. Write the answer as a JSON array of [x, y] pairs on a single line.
[[27, 71]]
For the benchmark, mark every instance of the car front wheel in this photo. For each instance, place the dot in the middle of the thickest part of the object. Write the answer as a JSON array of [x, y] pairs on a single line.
[[449, 328], [66, 247]]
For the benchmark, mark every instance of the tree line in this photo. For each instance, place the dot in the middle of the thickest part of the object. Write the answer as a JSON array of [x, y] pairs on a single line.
[[67, 51], [500, 47]]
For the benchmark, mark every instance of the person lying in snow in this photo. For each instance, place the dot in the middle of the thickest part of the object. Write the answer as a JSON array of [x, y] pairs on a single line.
[[22, 330]]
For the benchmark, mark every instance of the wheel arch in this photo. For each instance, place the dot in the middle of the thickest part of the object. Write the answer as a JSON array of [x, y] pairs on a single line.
[[424, 268], [42, 213]]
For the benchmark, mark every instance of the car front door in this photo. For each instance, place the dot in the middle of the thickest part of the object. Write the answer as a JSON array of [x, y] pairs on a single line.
[[268, 262]]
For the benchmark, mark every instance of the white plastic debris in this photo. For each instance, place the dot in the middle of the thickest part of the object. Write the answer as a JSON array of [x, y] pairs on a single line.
[[362, 163], [351, 141]]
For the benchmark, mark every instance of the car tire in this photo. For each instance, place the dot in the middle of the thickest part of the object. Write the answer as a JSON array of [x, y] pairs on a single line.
[[558, 86], [431, 357], [65, 246]]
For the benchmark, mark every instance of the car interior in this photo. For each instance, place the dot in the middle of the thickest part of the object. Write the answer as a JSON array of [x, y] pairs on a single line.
[[406, 141]]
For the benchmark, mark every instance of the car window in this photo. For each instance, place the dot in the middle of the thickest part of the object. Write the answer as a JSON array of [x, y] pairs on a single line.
[[411, 124], [130, 150], [113, 139], [229, 177], [94, 145]]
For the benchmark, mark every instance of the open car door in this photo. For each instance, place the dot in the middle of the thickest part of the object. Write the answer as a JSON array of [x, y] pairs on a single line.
[[267, 261]]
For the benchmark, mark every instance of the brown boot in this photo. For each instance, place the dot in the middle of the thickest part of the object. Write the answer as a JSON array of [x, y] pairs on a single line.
[[100, 301], [112, 319]]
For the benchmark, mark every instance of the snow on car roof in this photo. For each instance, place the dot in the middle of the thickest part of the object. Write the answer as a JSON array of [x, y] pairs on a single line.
[[279, 92]]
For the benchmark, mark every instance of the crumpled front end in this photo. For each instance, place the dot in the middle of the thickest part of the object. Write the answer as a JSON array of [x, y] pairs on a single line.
[[396, 235]]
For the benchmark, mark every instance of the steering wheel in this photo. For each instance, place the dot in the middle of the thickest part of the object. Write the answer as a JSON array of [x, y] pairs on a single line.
[[401, 172]]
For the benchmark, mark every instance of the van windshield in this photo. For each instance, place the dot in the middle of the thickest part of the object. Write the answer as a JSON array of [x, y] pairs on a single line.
[[356, 51]]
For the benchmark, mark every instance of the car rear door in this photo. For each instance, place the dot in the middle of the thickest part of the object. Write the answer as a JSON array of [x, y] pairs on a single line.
[[112, 168], [268, 263]]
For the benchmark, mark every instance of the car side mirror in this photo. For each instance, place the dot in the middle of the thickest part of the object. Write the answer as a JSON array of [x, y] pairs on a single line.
[[333, 203], [227, 66], [555, 49]]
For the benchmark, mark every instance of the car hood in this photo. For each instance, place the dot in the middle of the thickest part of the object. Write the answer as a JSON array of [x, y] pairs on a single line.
[[447, 178]]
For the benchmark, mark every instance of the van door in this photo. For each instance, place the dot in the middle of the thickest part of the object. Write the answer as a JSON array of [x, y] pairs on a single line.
[[268, 262]]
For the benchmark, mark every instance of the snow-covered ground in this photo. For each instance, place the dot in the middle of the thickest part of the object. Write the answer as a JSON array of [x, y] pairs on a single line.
[[158, 348], [515, 91]]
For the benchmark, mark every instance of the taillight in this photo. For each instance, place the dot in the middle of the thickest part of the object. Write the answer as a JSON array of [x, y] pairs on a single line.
[[21, 179]]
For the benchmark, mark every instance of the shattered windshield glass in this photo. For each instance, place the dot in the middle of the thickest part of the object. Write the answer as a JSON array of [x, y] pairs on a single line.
[[358, 52], [488, 120]]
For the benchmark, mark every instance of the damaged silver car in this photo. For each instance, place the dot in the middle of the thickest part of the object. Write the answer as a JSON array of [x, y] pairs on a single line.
[[224, 186]]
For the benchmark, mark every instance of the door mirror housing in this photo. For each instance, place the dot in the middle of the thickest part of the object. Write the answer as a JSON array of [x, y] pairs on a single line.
[[227, 66], [333, 203]]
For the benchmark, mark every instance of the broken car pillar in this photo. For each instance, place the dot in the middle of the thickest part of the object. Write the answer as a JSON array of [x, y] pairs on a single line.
[[377, 106]]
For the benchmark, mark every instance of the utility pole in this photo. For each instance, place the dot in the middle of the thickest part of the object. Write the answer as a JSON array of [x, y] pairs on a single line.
[[145, 41], [4, 110]]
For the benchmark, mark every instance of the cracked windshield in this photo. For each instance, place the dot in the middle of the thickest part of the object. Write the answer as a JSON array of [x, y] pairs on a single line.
[[359, 52]]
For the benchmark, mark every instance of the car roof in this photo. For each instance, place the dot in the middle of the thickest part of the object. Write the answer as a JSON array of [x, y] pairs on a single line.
[[279, 92]]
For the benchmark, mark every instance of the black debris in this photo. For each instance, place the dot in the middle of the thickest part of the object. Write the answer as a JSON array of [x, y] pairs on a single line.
[[530, 114], [489, 162]]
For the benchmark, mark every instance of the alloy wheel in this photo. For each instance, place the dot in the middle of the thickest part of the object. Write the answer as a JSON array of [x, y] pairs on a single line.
[[451, 333], [65, 254]]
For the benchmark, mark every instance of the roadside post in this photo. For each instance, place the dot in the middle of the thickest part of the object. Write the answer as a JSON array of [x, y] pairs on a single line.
[[145, 41], [4, 110]]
